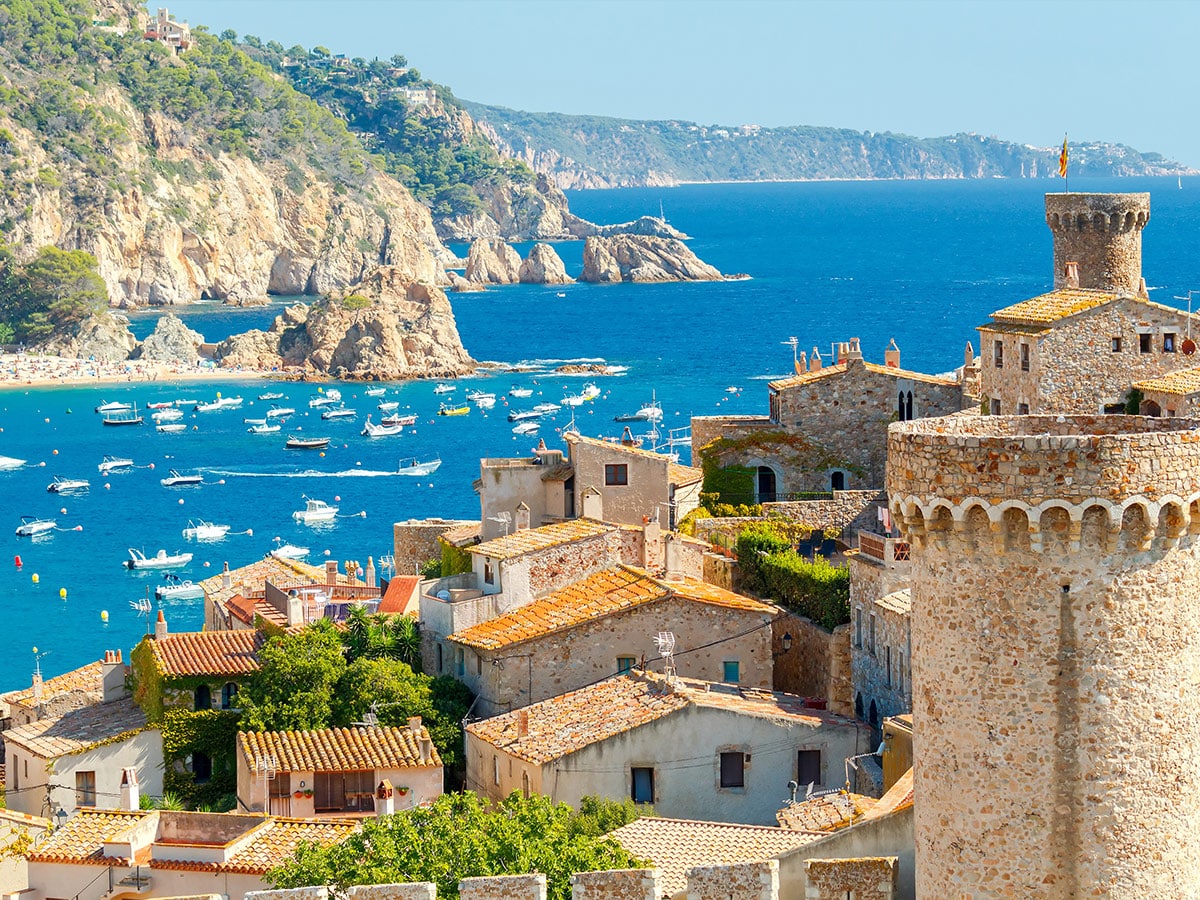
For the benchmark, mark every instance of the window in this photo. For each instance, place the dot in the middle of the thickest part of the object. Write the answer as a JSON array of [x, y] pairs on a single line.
[[641, 784], [808, 767], [203, 698], [478, 665], [1022, 409], [1169, 342], [489, 575], [733, 770], [625, 664], [887, 666], [228, 695], [900, 670], [858, 626], [16, 771], [1144, 343], [1116, 345], [495, 769], [998, 354], [201, 768], [439, 658], [730, 670], [1024, 357], [995, 407], [616, 474], [85, 788], [525, 785], [871, 636], [459, 663], [837, 481]]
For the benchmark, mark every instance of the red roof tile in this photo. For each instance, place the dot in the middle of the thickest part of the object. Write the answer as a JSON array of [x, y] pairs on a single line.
[[207, 653], [400, 593], [339, 749]]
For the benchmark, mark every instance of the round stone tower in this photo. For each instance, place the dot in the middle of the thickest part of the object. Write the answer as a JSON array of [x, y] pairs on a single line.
[[1056, 653], [1102, 234]]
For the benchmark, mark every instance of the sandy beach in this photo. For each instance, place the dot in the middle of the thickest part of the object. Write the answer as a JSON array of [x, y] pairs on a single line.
[[35, 370]]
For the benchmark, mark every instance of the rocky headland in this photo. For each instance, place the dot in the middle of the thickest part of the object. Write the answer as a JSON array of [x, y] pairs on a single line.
[[639, 258]]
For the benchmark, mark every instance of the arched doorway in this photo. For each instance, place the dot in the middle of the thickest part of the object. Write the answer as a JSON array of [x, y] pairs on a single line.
[[1149, 408], [837, 480], [765, 483]]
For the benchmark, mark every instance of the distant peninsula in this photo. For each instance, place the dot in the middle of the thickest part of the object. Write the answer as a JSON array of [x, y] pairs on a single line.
[[600, 152]]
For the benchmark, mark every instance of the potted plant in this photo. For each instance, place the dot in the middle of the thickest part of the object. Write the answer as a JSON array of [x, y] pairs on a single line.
[[298, 794], [308, 793], [402, 791]]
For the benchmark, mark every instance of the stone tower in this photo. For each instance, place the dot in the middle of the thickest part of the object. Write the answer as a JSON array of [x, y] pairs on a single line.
[[1056, 653], [1102, 233]]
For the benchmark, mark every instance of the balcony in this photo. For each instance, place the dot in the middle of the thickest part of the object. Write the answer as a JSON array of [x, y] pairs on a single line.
[[885, 551]]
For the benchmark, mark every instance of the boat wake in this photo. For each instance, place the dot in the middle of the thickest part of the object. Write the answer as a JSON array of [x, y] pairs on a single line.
[[306, 473]]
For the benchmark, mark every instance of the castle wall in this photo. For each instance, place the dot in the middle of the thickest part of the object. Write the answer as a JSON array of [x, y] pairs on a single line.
[[818, 665], [881, 660], [415, 542], [1056, 637], [1103, 234]]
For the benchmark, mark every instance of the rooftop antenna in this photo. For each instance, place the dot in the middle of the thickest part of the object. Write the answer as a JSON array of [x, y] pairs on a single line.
[[794, 343], [665, 641], [265, 767], [370, 719], [143, 608], [1189, 346], [505, 518]]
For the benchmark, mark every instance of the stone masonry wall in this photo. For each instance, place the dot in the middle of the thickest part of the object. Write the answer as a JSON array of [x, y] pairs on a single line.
[[421, 890], [882, 660], [1056, 643], [744, 881], [415, 542], [847, 510], [868, 878], [1100, 232], [818, 665], [503, 887], [616, 884]]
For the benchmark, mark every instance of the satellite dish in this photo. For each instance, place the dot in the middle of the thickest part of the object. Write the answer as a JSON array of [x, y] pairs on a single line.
[[1188, 346], [443, 595]]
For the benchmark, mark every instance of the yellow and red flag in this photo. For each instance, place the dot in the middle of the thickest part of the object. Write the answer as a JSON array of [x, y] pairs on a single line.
[[1062, 160]]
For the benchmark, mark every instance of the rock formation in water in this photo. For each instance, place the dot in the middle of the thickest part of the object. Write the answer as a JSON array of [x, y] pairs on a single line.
[[492, 262], [543, 266], [641, 258], [171, 342]]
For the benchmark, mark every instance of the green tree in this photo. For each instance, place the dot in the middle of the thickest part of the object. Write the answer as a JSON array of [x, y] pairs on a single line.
[[376, 636], [294, 686], [459, 837], [55, 290]]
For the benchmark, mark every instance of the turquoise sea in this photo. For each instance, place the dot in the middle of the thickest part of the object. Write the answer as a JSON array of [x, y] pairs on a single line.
[[920, 262]]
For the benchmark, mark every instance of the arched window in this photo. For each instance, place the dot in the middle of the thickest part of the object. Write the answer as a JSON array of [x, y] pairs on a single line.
[[766, 484], [873, 717], [908, 413], [837, 481], [203, 698], [201, 767], [228, 695], [858, 706], [900, 417]]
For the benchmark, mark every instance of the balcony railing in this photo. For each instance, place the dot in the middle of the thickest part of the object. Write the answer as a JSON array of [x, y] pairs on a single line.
[[883, 549]]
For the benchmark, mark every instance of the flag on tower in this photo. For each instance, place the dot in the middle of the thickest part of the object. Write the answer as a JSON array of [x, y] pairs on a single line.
[[1062, 160]]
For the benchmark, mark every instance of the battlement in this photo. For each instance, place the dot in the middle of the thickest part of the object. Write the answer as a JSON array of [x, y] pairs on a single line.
[[1046, 483], [1098, 239], [1097, 213]]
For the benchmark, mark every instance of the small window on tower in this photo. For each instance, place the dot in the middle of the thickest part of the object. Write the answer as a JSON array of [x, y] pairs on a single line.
[[1169, 342], [1024, 357], [1116, 345], [998, 354], [1144, 343]]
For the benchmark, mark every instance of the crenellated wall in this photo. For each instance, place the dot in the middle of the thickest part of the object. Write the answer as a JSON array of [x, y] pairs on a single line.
[[1055, 653], [1103, 234]]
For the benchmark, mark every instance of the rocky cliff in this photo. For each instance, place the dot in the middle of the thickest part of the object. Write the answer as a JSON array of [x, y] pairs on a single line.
[[492, 262], [543, 266], [641, 258]]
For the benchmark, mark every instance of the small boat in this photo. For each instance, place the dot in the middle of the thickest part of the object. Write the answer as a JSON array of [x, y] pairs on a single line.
[[574, 400], [162, 404], [272, 395], [175, 479], [289, 551], [264, 428], [442, 388], [389, 406], [219, 404], [305, 443], [416, 467], [520, 392], [631, 417], [186, 402], [526, 427], [171, 428], [31, 526], [114, 406], [113, 463], [477, 395], [160, 560], [454, 410], [175, 589], [547, 408], [315, 511], [485, 402], [372, 430], [590, 391], [523, 415], [339, 413], [10, 462], [167, 415], [62, 485], [732, 389], [325, 398], [123, 417], [402, 421], [276, 411], [376, 392], [254, 421], [204, 531]]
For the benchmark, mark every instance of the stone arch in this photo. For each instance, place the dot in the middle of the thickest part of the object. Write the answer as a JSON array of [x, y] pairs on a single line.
[[940, 524], [1015, 526], [858, 706], [1149, 408], [1194, 517], [1135, 528], [977, 527], [1093, 533], [766, 483], [1172, 523], [1055, 525]]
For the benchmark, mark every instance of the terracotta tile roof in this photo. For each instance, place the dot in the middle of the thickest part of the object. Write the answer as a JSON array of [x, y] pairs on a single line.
[[827, 812], [86, 679], [531, 540], [1183, 383], [461, 535], [248, 609], [271, 846], [602, 594], [20, 818], [81, 838], [898, 601], [676, 845], [339, 749], [764, 704], [680, 475], [615, 445], [561, 725], [401, 591], [898, 797], [253, 578], [841, 369], [207, 653], [79, 729], [1048, 308]]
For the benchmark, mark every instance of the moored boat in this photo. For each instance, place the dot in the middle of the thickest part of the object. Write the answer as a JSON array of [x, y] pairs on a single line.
[[32, 526], [62, 485], [515, 391], [288, 551], [114, 463], [339, 412], [161, 560], [372, 430], [161, 404], [171, 428], [526, 427], [204, 531], [547, 408], [173, 588], [123, 417], [477, 395], [376, 392], [294, 442], [315, 511], [443, 388], [276, 412], [402, 421], [446, 410], [10, 462], [271, 395], [590, 391], [389, 406], [114, 406], [523, 415], [264, 428], [167, 415]]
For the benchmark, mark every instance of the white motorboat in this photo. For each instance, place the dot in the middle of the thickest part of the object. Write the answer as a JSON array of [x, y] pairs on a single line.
[[254, 421], [732, 389], [289, 551], [271, 395], [276, 411], [175, 479], [402, 421], [574, 400], [31, 526], [161, 404], [443, 388], [10, 462], [590, 391], [114, 463], [160, 560], [175, 589], [376, 392], [547, 408], [302, 443], [62, 485], [264, 428], [167, 415], [389, 406], [651, 412], [325, 398], [219, 404], [204, 531], [315, 511], [520, 392], [114, 406], [526, 428], [372, 430], [416, 467], [485, 402], [477, 395], [521, 416], [187, 402], [339, 413], [171, 428]]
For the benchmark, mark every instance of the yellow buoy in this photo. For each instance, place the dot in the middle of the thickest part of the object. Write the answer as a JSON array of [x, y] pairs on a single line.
[[35, 578], [62, 592], [104, 615]]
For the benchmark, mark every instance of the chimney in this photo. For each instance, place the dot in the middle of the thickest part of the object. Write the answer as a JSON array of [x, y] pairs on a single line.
[[226, 578], [651, 537], [853, 350], [414, 725], [593, 504], [37, 692], [129, 799], [522, 723], [1071, 275], [674, 571], [331, 571], [370, 571], [112, 675], [814, 364], [627, 438], [426, 749], [522, 518], [295, 609], [802, 363], [385, 799], [160, 627], [969, 356], [1143, 292], [891, 356]]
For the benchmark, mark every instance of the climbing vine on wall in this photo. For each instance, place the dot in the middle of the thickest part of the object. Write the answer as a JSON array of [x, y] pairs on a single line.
[[213, 733], [725, 475]]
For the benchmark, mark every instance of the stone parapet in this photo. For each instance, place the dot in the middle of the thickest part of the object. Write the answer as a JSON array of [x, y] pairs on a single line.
[[1102, 233], [419, 890], [866, 878], [616, 884], [742, 881], [503, 887]]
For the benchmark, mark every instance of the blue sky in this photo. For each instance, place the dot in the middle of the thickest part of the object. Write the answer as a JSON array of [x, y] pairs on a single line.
[[1023, 71]]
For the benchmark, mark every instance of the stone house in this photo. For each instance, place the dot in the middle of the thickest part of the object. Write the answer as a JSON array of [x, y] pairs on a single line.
[[695, 749], [161, 853], [55, 696], [605, 624], [827, 425], [1176, 394], [335, 771], [284, 593], [176, 35]]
